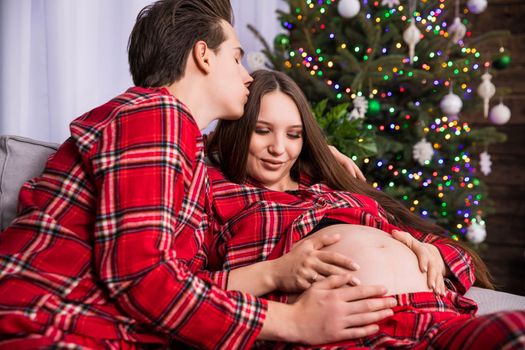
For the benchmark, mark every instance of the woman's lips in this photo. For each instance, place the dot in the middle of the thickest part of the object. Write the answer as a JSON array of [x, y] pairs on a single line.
[[271, 164]]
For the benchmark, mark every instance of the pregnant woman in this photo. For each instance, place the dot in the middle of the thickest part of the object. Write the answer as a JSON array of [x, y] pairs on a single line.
[[277, 187]]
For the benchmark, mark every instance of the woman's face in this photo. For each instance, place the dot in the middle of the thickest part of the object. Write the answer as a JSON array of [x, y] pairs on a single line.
[[276, 142]]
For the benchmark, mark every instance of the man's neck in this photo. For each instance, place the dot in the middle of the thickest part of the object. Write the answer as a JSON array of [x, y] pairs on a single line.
[[185, 92]]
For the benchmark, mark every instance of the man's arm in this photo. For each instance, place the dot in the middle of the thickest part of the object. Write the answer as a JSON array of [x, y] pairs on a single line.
[[347, 163], [142, 164]]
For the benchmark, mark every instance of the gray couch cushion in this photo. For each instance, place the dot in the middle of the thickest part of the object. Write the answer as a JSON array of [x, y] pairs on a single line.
[[20, 160], [490, 301]]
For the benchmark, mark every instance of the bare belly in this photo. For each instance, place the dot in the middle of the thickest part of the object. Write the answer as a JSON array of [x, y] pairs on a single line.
[[383, 260]]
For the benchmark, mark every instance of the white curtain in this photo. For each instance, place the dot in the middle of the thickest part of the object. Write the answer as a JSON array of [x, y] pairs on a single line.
[[61, 58]]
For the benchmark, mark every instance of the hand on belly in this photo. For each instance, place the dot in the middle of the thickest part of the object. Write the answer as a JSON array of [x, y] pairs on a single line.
[[382, 259]]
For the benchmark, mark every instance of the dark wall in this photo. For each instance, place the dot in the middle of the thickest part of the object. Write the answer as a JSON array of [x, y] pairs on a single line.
[[505, 250]]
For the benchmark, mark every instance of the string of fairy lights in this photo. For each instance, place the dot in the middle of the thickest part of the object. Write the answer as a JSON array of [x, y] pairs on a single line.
[[319, 64]]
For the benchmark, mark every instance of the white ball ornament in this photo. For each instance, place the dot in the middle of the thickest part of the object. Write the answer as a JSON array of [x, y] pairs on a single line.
[[477, 6], [411, 36], [499, 114], [256, 60], [457, 30], [476, 232], [348, 8], [451, 104]]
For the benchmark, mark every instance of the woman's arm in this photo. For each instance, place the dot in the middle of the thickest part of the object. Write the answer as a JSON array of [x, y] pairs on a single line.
[[294, 271]]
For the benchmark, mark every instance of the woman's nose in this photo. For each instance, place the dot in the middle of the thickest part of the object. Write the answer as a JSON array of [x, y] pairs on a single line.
[[277, 146]]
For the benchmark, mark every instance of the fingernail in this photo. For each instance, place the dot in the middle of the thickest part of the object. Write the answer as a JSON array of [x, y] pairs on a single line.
[[355, 266], [355, 281], [393, 302]]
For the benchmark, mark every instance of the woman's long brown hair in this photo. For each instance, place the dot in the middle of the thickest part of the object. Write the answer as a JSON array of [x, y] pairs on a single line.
[[229, 145]]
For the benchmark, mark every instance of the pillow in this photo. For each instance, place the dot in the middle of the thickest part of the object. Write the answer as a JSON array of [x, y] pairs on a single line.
[[20, 160]]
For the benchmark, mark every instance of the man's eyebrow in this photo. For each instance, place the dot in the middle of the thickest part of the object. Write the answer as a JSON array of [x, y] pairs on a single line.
[[241, 51]]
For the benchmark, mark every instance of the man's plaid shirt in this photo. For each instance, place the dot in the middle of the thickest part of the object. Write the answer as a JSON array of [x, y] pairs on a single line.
[[111, 239]]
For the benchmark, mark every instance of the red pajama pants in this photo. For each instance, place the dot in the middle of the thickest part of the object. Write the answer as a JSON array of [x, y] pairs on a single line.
[[426, 321]]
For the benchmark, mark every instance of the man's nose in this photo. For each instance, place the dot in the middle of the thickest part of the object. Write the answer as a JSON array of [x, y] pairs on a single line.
[[246, 77]]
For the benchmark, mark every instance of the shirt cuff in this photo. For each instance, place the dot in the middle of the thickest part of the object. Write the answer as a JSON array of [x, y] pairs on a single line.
[[460, 265], [219, 278]]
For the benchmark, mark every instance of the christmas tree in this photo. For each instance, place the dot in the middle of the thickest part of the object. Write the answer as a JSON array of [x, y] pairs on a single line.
[[390, 82]]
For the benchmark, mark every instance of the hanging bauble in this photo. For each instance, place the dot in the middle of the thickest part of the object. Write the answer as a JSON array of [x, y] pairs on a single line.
[[348, 8], [390, 3], [499, 114], [422, 151], [476, 232], [411, 36], [477, 6], [281, 42], [457, 30], [485, 163], [451, 104], [360, 107], [256, 60], [486, 90], [501, 62], [374, 107]]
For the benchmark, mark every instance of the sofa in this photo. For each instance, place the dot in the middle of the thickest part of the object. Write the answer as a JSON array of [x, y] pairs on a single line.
[[23, 158]]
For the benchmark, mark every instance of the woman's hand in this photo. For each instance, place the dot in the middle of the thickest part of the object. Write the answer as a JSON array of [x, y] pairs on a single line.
[[347, 163], [306, 263], [430, 260]]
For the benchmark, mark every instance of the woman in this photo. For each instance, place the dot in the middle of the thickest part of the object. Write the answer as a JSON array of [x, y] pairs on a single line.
[[282, 187]]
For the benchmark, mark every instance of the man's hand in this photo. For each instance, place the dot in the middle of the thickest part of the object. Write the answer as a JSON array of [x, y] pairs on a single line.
[[306, 263], [332, 311], [429, 258], [347, 163]]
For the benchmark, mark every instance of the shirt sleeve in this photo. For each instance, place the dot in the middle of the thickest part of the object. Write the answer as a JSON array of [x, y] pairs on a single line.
[[219, 278], [456, 259], [142, 164]]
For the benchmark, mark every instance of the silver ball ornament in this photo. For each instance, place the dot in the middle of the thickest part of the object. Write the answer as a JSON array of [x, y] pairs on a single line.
[[499, 114], [451, 104], [477, 6], [348, 8]]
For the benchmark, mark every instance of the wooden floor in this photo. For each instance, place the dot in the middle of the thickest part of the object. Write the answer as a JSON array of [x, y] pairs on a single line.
[[505, 251]]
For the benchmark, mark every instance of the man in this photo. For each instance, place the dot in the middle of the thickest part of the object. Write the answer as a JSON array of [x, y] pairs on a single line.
[[109, 247]]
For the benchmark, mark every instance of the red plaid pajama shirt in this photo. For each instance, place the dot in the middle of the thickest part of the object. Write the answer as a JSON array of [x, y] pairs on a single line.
[[110, 243], [254, 224]]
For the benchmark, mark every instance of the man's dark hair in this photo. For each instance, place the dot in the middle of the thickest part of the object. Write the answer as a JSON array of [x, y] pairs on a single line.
[[165, 33]]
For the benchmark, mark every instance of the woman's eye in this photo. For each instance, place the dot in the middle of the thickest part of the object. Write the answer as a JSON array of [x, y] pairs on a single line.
[[294, 135], [261, 131]]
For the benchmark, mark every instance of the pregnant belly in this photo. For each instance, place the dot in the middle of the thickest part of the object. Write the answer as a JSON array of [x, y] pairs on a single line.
[[382, 259]]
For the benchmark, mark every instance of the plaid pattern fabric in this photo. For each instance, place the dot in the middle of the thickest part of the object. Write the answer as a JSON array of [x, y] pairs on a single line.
[[424, 321], [254, 224], [111, 239]]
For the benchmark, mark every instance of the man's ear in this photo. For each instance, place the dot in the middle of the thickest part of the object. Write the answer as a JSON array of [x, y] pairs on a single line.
[[201, 56]]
